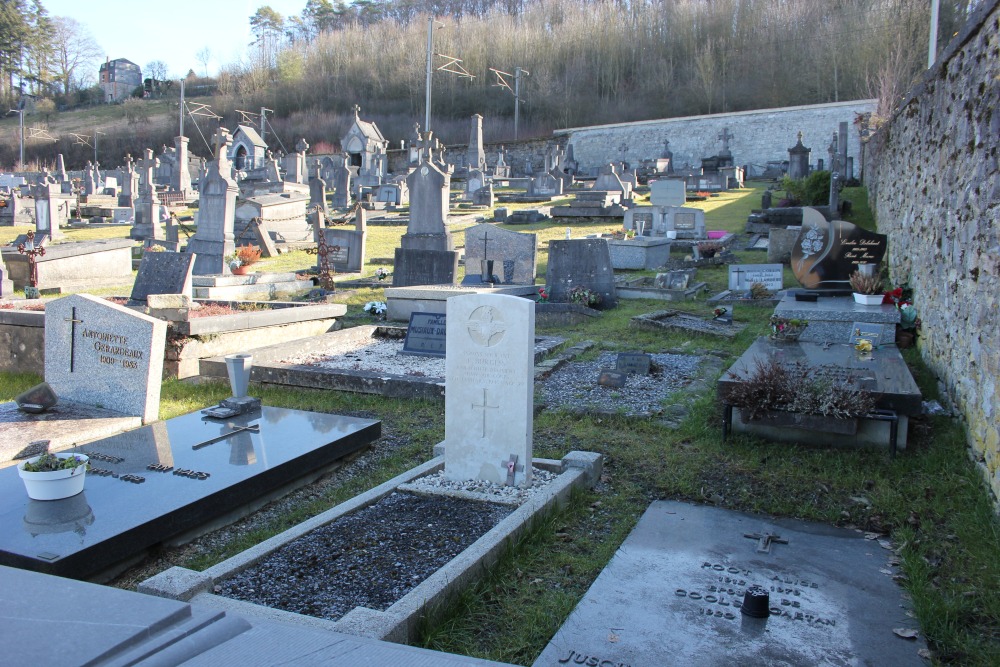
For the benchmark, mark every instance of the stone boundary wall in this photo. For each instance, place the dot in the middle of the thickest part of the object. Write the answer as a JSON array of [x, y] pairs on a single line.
[[758, 136], [934, 183]]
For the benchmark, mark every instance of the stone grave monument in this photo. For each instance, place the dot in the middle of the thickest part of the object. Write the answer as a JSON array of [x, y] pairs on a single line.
[[826, 252], [163, 273], [213, 240], [513, 255], [489, 370], [580, 263], [345, 246]]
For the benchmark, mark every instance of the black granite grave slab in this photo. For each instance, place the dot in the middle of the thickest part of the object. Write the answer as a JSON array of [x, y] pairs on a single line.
[[113, 520], [163, 273], [672, 596]]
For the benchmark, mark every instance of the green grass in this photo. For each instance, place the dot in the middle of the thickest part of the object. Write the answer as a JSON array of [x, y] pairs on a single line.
[[930, 500]]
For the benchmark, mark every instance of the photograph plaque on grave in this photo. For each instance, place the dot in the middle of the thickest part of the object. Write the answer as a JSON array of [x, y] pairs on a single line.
[[426, 335]]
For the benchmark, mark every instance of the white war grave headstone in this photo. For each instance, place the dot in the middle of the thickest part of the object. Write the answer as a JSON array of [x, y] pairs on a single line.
[[489, 376], [102, 354]]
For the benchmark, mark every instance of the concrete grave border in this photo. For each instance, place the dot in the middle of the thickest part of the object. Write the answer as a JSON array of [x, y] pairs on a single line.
[[399, 622]]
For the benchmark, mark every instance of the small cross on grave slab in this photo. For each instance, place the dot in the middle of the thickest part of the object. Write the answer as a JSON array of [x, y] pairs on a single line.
[[512, 467], [765, 540], [73, 321]]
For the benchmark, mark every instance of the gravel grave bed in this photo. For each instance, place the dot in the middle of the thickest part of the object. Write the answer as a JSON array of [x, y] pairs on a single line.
[[380, 356], [574, 386], [477, 489], [369, 558]]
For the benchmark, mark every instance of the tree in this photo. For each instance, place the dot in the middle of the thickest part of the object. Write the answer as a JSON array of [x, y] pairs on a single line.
[[204, 56], [267, 26], [156, 70], [75, 52]]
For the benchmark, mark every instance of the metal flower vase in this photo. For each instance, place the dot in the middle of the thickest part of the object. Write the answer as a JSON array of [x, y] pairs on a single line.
[[238, 366]]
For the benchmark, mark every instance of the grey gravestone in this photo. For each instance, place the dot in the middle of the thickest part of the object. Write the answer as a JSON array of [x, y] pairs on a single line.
[[346, 247], [213, 239], [827, 253], [163, 273], [581, 263], [674, 590], [426, 335], [486, 241], [102, 354], [742, 276], [636, 363], [667, 192], [6, 284], [424, 267]]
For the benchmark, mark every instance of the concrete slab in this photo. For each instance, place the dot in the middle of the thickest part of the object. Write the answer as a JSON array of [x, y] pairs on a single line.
[[671, 596]]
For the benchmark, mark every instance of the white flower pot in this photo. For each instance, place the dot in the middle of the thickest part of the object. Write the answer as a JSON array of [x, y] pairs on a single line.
[[54, 485], [868, 299], [238, 366]]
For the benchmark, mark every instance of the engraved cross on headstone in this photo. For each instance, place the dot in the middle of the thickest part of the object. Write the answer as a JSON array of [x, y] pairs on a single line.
[[765, 540], [484, 406], [736, 271], [73, 321], [512, 467]]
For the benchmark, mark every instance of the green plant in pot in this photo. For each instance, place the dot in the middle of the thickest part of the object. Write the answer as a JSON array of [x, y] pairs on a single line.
[[867, 286], [53, 476]]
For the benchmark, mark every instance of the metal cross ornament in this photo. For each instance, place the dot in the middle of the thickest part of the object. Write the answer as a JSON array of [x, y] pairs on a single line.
[[73, 321], [512, 467], [765, 540]]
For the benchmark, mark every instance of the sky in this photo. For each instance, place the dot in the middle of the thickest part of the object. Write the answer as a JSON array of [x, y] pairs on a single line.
[[173, 31]]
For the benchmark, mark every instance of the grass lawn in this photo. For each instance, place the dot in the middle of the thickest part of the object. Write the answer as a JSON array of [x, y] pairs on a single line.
[[930, 500]]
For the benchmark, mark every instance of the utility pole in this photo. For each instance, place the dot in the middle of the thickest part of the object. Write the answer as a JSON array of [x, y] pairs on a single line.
[[263, 123], [517, 96], [932, 46], [430, 72], [181, 133], [96, 135], [20, 114]]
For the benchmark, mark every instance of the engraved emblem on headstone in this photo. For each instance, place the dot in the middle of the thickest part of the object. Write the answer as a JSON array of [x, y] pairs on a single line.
[[486, 326]]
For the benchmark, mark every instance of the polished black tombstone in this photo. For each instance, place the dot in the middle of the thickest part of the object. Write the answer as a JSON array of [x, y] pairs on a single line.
[[826, 253], [156, 482]]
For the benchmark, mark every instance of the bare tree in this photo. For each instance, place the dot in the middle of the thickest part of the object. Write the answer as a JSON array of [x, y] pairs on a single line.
[[204, 56], [75, 51], [156, 70]]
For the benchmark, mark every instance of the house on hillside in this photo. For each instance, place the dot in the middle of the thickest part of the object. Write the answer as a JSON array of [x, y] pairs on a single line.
[[118, 78]]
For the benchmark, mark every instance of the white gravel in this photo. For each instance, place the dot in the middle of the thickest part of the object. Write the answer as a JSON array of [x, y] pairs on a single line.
[[379, 356], [481, 490]]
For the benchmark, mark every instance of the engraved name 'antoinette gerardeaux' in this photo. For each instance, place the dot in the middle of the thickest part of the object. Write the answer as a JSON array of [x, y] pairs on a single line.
[[113, 348]]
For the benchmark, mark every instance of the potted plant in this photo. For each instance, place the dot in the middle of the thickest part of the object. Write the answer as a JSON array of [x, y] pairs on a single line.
[[53, 476], [709, 249], [867, 288], [585, 297], [248, 255], [235, 265], [787, 329], [909, 323]]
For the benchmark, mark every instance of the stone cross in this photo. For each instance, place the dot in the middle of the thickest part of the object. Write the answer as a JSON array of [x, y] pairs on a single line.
[[221, 141], [724, 137], [301, 146], [484, 406], [146, 166], [357, 110]]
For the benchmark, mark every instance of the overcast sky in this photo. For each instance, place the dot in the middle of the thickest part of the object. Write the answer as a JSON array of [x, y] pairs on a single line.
[[172, 31]]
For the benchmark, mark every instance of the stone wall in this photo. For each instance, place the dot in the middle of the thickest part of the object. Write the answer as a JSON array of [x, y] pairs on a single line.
[[934, 183], [758, 136]]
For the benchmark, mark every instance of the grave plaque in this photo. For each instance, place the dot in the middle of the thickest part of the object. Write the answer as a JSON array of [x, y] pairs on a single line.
[[490, 379], [866, 330], [826, 253], [742, 276], [674, 593], [684, 221], [102, 354], [426, 335], [163, 273], [635, 363], [613, 379]]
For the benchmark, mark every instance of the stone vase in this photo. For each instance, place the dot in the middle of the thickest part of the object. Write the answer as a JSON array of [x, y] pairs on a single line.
[[238, 366]]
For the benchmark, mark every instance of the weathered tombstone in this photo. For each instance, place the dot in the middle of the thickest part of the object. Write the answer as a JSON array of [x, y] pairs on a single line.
[[317, 193], [341, 182], [667, 192], [475, 156], [484, 196], [213, 240], [163, 273], [826, 253], [51, 207], [489, 373], [180, 171], [102, 354], [581, 263], [635, 363], [89, 180], [742, 276], [487, 242], [346, 247], [295, 164], [6, 284], [130, 184], [798, 160], [147, 223], [426, 335], [473, 181]]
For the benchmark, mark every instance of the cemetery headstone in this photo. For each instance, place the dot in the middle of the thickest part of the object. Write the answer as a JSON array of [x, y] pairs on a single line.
[[102, 354], [580, 263], [426, 335], [476, 157], [180, 171], [485, 241], [613, 379], [742, 276], [635, 363], [213, 240], [163, 273], [667, 192], [489, 374], [798, 160], [826, 252]]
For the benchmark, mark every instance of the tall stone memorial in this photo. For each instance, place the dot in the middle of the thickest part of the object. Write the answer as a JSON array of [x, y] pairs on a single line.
[[216, 213], [476, 156], [102, 354], [180, 172], [489, 374], [427, 254], [826, 252], [147, 223]]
